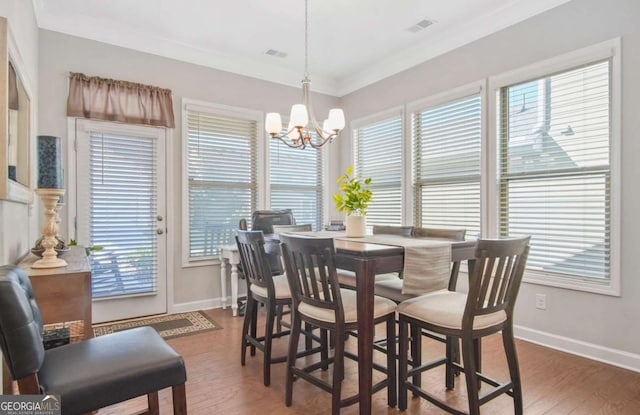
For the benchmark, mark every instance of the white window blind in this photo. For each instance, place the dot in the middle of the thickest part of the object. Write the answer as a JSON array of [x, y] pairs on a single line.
[[378, 155], [296, 179], [122, 202], [555, 170], [222, 176], [446, 154]]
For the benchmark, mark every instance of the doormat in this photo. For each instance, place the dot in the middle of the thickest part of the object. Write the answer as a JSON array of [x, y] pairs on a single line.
[[168, 326]]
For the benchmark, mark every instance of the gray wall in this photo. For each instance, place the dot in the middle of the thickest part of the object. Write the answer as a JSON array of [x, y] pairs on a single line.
[[61, 54], [606, 321], [19, 222]]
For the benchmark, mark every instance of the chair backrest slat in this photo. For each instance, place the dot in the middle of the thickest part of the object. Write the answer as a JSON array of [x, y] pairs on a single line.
[[495, 278], [311, 271], [392, 230], [254, 259], [453, 234]]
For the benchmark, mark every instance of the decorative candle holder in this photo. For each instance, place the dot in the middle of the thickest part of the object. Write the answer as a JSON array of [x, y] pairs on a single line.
[[50, 258]]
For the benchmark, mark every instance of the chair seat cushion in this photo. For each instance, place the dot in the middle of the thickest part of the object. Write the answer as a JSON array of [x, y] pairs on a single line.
[[108, 369], [280, 284], [348, 278], [381, 307], [392, 289], [445, 309]]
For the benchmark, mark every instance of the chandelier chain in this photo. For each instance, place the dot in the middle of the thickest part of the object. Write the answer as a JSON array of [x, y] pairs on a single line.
[[306, 39]]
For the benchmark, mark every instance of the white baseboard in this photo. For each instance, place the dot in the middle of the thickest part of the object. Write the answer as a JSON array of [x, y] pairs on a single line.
[[592, 351], [196, 305]]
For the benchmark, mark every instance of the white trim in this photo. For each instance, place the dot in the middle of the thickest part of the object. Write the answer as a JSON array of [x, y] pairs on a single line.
[[444, 38], [196, 305], [373, 118], [408, 216], [169, 211], [444, 97], [228, 111], [18, 192], [586, 55], [591, 351], [590, 54]]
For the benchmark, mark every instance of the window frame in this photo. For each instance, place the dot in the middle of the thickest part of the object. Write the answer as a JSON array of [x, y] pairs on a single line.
[[474, 88], [221, 110], [405, 187], [605, 50]]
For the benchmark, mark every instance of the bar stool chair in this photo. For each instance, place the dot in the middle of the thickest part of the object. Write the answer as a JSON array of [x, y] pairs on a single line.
[[494, 283], [265, 289], [319, 300]]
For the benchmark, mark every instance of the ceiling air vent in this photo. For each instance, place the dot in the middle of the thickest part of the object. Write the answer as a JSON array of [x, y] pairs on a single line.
[[276, 53], [422, 24]]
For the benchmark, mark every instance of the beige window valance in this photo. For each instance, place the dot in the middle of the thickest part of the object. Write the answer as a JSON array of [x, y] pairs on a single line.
[[112, 100]]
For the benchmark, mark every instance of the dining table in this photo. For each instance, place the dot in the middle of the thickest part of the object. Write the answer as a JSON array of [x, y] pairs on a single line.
[[366, 260]]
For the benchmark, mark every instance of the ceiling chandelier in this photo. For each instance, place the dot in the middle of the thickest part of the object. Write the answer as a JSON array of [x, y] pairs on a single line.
[[298, 133]]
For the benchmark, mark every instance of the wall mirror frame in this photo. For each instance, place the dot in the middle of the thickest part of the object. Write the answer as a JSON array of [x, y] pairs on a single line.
[[16, 122]]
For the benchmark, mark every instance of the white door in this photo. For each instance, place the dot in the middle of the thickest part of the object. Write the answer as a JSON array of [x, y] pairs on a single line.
[[120, 176]]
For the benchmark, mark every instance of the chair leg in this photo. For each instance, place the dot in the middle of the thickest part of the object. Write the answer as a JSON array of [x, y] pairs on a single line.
[[254, 321], [403, 362], [324, 347], [268, 340], [245, 332], [468, 355], [514, 371], [294, 337], [338, 372], [392, 395], [179, 400], [477, 352], [308, 342], [152, 402], [279, 312], [416, 352], [451, 356]]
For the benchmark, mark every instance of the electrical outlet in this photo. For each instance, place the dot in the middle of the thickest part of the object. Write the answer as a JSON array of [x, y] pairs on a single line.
[[541, 301]]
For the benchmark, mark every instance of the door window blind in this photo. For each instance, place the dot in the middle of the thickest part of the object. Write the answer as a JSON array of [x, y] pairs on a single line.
[[122, 201], [378, 155], [446, 154], [222, 178], [555, 170], [296, 180]]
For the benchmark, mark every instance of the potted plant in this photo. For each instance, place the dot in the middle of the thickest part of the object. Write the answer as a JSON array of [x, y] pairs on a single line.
[[353, 199]]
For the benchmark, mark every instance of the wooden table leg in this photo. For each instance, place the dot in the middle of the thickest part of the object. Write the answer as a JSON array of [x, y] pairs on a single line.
[[365, 278], [223, 282]]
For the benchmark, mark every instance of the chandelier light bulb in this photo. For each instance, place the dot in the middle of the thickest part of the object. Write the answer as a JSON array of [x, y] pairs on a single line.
[[299, 115], [273, 123]]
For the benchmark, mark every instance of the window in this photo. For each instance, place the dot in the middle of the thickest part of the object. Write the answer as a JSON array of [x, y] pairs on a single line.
[[378, 154], [296, 178], [446, 160], [555, 171], [221, 175]]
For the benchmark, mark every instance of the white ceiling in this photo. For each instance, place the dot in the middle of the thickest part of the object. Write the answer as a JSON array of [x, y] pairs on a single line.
[[352, 43]]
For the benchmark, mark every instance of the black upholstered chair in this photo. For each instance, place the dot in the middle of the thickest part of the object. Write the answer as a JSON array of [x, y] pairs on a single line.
[[90, 374]]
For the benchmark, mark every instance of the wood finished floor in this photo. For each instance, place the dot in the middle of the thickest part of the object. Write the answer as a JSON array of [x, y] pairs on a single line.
[[553, 382]]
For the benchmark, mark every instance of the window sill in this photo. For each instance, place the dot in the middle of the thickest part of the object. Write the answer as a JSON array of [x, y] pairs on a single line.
[[207, 262], [539, 278]]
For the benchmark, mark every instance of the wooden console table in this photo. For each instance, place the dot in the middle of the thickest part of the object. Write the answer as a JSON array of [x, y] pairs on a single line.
[[64, 293]]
